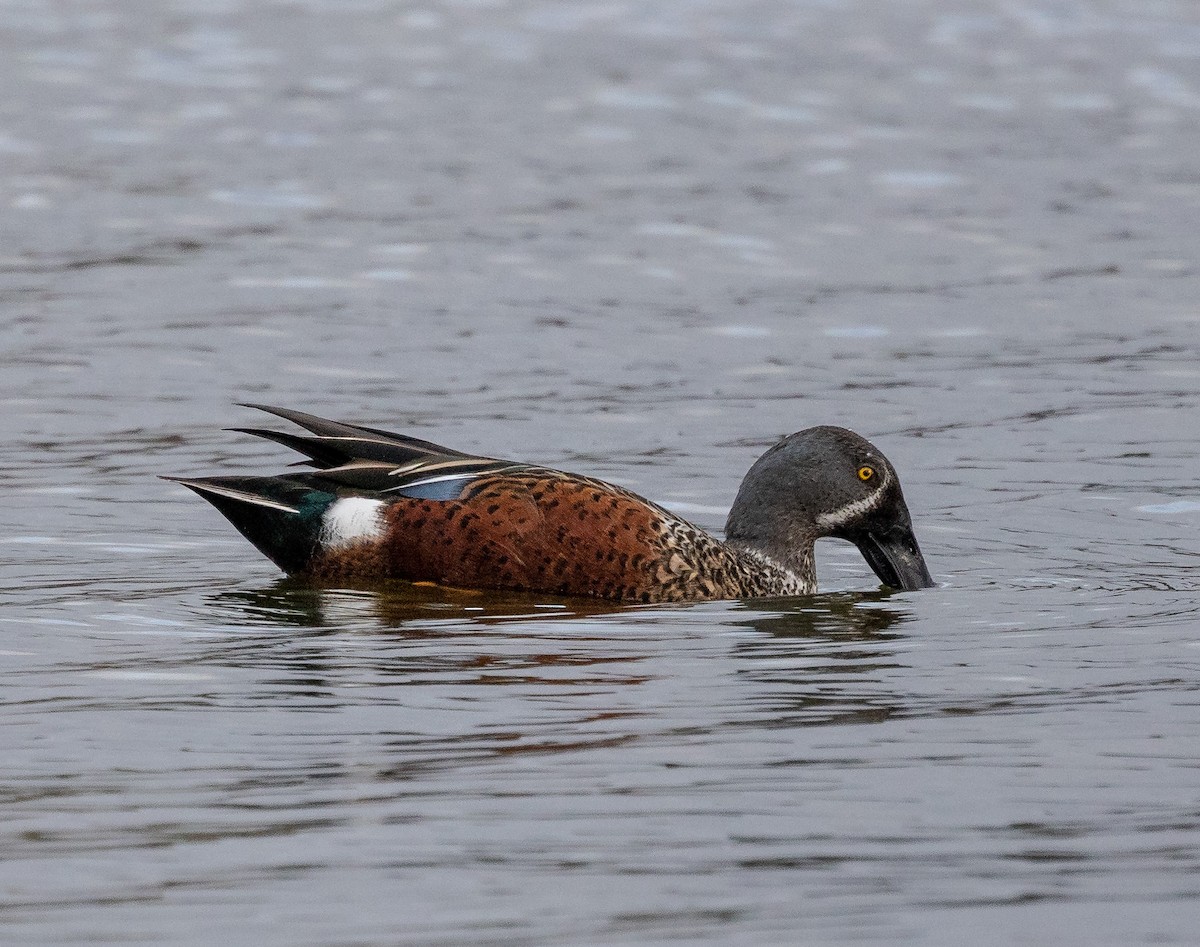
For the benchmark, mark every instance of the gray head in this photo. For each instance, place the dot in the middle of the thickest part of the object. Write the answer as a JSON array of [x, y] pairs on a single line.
[[827, 481]]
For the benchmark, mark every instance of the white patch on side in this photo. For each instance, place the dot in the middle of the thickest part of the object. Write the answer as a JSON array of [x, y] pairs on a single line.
[[351, 520]]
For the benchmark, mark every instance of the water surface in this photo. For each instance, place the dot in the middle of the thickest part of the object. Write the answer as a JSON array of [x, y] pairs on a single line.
[[640, 241]]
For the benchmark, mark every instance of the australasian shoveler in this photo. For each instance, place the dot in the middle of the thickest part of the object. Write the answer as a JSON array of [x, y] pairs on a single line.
[[383, 506]]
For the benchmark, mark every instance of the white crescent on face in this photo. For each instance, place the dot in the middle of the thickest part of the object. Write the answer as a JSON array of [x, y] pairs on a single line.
[[836, 519]]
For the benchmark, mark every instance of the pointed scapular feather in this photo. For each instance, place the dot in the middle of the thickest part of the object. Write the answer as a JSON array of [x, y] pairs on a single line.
[[326, 428]]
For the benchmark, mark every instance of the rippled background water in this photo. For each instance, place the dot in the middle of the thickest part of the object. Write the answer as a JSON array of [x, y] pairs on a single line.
[[639, 240]]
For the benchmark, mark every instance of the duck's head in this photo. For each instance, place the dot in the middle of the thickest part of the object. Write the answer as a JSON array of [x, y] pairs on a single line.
[[827, 481]]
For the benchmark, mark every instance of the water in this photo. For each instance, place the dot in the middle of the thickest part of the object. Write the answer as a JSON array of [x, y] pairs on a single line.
[[639, 241]]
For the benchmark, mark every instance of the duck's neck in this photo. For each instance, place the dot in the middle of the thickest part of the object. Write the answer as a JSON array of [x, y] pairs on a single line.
[[785, 536], [796, 563]]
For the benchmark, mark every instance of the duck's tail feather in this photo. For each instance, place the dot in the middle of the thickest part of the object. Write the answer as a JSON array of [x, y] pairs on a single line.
[[281, 516]]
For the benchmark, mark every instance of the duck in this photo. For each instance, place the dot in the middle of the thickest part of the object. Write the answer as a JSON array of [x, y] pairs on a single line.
[[377, 505]]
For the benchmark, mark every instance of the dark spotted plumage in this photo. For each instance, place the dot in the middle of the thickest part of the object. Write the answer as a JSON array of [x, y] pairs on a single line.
[[382, 505], [543, 530]]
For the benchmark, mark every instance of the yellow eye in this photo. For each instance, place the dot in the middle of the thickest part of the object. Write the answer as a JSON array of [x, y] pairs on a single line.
[[866, 473]]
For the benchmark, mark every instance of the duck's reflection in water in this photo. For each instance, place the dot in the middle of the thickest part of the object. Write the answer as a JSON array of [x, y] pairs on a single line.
[[405, 635], [796, 661], [827, 659], [395, 606]]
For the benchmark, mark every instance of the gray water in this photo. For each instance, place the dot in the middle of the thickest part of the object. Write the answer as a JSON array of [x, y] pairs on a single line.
[[638, 240]]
